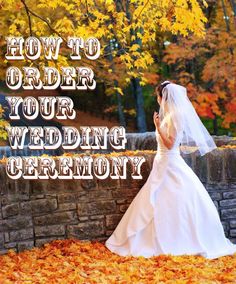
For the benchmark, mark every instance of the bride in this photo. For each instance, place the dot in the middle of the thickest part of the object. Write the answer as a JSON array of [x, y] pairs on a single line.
[[173, 212]]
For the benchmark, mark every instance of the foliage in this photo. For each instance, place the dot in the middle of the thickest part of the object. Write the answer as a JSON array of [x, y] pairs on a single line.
[[73, 261], [3, 124], [208, 66], [133, 24]]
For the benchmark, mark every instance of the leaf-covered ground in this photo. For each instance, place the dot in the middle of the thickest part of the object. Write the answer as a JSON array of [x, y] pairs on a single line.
[[73, 261]]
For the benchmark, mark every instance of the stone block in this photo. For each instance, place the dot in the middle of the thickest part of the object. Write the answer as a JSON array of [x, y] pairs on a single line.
[[72, 197], [6, 237], [38, 187], [121, 201], [215, 195], [97, 217], [108, 183], [99, 194], [124, 207], [228, 202], [109, 232], [129, 182], [232, 233], [113, 220], [22, 234], [225, 225], [10, 210], [83, 209], [26, 245], [201, 168], [66, 206], [1, 240], [53, 230], [188, 159], [217, 187], [58, 185], [232, 224], [229, 194], [10, 245], [228, 213], [83, 218], [18, 189], [96, 208], [72, 185], [125, 192], [20, 222], [3, 178], [230, 164], [39, 206], [37, 196], [233, 240], [215, 161], [88, 184], [86, 230], [56, 218], [232, 186]]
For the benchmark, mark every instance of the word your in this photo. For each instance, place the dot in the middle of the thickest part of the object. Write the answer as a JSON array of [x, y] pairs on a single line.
[[48, 107], [73, 168]]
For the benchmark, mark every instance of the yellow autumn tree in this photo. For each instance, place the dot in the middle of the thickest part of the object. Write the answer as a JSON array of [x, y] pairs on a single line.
[[3, 124], [131, 24]]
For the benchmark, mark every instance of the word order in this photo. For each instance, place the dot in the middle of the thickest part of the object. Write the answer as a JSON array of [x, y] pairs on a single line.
[[73, 168], [50, 46], [80, 78]]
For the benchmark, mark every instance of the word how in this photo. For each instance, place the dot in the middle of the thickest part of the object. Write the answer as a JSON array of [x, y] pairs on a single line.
[[33, 47]]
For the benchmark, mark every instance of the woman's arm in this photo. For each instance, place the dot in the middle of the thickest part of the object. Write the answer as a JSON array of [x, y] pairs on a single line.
[[168, 141]]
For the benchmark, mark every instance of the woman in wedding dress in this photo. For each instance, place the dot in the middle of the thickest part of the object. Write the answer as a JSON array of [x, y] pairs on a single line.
[[173, 212]]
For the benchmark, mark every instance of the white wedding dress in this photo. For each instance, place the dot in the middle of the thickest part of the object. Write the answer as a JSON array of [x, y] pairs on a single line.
[[171, 214]]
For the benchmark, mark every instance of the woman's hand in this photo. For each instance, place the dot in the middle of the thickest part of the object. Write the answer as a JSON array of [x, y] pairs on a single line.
[[156, 120]]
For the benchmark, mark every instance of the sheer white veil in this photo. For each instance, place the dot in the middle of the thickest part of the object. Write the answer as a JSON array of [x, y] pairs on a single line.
[[183, 120]]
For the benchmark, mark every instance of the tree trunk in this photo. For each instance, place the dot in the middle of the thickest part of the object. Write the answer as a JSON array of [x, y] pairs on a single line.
[[137, 88], [120, 108], [215, 126], [121, 115], [233, 4], [139, 105]]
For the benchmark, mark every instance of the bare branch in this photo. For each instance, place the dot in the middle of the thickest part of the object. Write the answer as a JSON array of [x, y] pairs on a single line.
[[28, 15], [143, 9], [42, 19]]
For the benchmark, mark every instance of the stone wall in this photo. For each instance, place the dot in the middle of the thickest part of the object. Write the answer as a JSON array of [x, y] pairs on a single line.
[[34, 212]]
